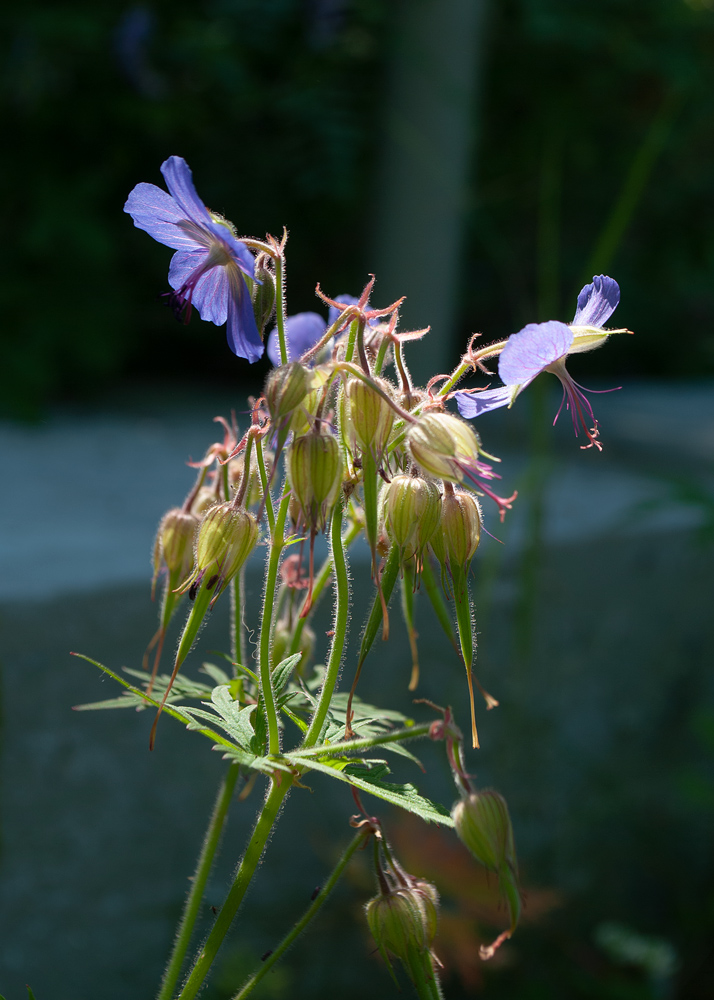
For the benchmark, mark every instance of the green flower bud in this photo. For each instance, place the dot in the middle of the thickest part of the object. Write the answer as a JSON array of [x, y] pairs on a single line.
[[254, 491], [226, 538], [484, 826], [302, 420], [369, 416], [411, 509], [205, 498], [285, 389], [461, 526], [400, 923], [315, 473], [443, 445], [263, 294], [174, 542]]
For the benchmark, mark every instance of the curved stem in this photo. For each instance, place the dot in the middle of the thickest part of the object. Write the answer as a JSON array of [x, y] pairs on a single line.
[[342, 601], [266, 628], [467, 363], [245, 872], [360, 743], [311, 912], [198, 885], [345, 366], [265, 483]]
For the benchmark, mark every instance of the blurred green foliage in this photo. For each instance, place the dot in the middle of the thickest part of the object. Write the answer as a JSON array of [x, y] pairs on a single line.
[[594, 152]]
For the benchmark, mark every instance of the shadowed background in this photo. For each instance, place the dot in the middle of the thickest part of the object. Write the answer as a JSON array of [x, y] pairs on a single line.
[[486, 159]]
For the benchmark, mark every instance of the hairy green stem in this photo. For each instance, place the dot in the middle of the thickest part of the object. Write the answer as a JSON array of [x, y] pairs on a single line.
[[198, 885], [467, 363], [248, 865], [361, 743], [265, 485], [320, 583], [266, 628], [302, 923], [342, 601], [280, 306]]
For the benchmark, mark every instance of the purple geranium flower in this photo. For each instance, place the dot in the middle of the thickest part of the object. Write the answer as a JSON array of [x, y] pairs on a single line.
[[210, 267], [541, 347]]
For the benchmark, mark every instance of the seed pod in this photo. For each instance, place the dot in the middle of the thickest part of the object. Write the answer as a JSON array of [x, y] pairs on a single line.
[[411, 508], [302, 418], [226, 538], [369, 416], [399, 922], [443, 445], [315, 472]]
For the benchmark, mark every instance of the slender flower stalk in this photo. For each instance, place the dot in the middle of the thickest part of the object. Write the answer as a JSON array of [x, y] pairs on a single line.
[[266, 631], [309, 915], [198, 885]]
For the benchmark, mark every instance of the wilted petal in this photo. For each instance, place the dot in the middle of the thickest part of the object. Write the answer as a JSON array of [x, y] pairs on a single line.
[[242, 330], [532, 349], [302, 331], [597, 302], [179, 181], [473, 404], [156, 212]]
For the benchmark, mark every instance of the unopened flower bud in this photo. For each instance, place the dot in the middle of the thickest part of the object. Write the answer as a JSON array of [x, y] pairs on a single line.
[[174, 542], [263, 293], [461, 526], [302, 419], [315, 472], [443, 445], [204, 499], [402, 922], [484, 826], [411, 508], [285, 389], [370, 417], [226, 538]]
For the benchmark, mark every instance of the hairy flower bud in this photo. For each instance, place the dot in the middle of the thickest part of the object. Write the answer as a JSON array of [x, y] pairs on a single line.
[[285, 389], [263, 293], [369, 416], [443, 445], [174, 542], [402, 921], [411, 508], [484, 826], [226, 538], [315, 473], [461, 526]]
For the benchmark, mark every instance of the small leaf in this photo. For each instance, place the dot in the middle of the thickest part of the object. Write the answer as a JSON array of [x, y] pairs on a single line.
[[281, 674], [217, 675]]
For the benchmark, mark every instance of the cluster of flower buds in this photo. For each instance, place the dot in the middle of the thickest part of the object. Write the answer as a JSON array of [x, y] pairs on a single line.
[[403, 919]]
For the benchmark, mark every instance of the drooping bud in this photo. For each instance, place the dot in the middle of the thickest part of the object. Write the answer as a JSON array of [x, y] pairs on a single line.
[[369, 416], [411, 508], [484, 826], [285, 389], [303, 415], [443, 445], [263, 293], [315, 473], [226, 538], [403, 922], [174, 542], [461, 526]]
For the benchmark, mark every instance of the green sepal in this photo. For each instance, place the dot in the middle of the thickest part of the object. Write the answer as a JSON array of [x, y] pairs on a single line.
[[194, 621]]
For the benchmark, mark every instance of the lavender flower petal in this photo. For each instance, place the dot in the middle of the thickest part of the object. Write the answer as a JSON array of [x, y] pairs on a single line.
[[177, 175], [532, 349], [302, 331], [156, 212], [474, 404], [242, 330], [597, 302]]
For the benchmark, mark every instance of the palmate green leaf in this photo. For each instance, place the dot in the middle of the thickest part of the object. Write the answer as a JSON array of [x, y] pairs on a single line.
[[367, 779], [190, 716], [183, 687]]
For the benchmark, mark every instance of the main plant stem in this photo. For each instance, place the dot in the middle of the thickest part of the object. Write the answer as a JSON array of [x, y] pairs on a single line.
[[278, 790], [198, 885], [309, 914]]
